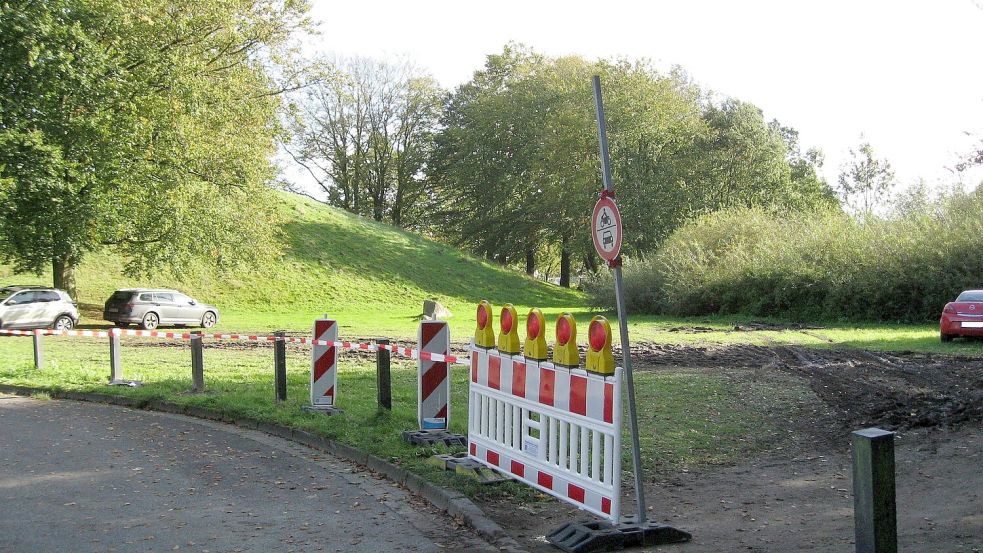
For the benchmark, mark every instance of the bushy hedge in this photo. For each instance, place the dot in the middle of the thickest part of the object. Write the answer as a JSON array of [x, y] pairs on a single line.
[[820, 265]]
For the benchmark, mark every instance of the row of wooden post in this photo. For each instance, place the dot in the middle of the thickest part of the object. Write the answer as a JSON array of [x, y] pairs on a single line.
[[383, 360]]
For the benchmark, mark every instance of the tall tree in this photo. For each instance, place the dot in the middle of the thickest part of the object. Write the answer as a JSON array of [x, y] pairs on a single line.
[[364, 134], [147, 126], [865, 181]]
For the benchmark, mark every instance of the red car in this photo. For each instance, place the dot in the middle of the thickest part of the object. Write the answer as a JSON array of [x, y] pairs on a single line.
[[963, 317]]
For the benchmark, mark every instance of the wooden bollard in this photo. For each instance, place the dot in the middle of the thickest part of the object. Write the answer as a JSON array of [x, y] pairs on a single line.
[[280, 365], [874, 507], [38, 350], [197, 364], [383, 375]]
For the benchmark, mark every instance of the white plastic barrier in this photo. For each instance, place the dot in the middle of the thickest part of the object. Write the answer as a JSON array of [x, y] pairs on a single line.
[[556, 429]]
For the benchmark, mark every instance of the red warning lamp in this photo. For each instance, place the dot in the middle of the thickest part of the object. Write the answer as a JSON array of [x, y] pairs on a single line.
[[562, 331], [532, 328], [508, 338], [598, 335], [565, 352], [484, 335], [482, 316], [506, 321], [600, 358], [535, 346]]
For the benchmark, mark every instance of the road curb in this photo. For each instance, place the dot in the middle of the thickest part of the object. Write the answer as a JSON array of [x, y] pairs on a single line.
[[453, 503]]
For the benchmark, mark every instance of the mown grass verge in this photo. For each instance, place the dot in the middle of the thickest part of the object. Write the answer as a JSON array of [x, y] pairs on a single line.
[[690, 419]]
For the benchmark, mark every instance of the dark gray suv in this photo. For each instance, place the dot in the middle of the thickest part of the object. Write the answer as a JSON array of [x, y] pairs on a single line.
[[150, 307]]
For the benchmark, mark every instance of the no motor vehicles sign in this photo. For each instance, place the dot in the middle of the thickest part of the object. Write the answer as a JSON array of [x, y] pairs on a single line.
[[606, 228]]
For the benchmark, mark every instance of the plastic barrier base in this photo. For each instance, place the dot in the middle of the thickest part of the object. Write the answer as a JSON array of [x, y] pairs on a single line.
[[130, 383], [431, 437], [461, 464], [328, 411], [592, 536]]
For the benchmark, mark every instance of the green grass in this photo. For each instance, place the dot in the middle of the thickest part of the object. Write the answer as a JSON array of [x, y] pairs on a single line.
[[369, 276]]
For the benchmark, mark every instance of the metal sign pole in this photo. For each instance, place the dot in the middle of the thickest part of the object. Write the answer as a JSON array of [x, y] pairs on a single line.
[[636, 454]]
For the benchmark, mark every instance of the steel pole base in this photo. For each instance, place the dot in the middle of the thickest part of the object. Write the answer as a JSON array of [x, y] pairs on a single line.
[[323, 410], [593, 536]]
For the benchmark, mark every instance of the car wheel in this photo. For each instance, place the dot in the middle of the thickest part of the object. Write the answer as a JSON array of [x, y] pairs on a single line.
[[208, 319], [150, 321], [946, 337], [63, 322]]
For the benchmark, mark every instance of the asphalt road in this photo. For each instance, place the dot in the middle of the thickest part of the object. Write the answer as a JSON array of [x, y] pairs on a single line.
[[85, 477]]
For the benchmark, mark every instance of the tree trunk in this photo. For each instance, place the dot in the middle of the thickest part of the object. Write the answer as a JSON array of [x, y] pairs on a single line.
[[63, 274], [564, 267], [530, 262]]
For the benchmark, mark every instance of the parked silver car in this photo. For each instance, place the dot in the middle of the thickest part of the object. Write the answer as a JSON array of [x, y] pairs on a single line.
[[37, 307], [149, 308]]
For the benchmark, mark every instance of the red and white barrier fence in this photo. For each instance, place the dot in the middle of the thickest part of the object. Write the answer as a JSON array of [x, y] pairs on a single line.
[[556, 429], [345, 345]]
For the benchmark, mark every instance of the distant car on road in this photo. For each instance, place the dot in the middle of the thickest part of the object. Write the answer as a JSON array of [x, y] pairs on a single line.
[[37, 307], [152, 307], [963, 316]]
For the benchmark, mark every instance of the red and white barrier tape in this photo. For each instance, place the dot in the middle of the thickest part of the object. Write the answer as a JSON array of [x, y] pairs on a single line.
[[351, 346]]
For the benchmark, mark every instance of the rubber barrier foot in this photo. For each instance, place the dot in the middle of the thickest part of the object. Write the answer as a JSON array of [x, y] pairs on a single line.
[[327, 411], [130, 383], [431, 437], [461, 464], [593, 536]]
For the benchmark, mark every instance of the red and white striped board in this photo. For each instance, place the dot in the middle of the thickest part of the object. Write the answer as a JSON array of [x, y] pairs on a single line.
[[556, 429], [324, 363], [433, 379]]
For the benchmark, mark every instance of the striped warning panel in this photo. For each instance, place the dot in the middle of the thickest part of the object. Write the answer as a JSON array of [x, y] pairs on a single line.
[[589, 498], [433, 380], [324, 363], [556, 429], [574, 390]]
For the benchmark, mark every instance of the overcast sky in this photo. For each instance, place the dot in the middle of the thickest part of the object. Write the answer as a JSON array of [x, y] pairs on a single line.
[[906, 74]]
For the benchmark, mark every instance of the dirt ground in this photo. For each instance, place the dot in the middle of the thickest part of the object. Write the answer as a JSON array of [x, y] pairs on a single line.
[[795, 492]]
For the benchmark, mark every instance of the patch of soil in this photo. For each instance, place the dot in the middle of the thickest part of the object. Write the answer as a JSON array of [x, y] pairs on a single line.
[[795, 494]]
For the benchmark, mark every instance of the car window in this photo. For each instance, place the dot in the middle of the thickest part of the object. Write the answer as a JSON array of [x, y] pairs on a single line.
[[47, 295], [22, 298], [976, 295], [120, 295], [181, 298], [163, 296], [146, 297]]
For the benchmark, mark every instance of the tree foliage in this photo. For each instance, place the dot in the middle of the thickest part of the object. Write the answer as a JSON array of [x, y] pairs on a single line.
[[145, 125], [865, 181], [364, 133], [516, 165]]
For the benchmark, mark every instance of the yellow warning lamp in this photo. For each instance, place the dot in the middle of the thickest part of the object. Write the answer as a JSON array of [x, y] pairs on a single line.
[[535, 346], [508, 338], [565, 351], [484, 335], [600, 360]]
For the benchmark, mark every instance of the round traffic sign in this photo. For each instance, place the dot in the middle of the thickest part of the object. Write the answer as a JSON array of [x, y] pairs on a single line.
[[606, 228]]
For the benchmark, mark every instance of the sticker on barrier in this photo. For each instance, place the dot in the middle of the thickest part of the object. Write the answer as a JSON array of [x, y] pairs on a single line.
[[433, 378], [554, 428], [324, 363]]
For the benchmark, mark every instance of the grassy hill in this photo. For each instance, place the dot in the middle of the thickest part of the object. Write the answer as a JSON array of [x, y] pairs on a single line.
[[369, 276]]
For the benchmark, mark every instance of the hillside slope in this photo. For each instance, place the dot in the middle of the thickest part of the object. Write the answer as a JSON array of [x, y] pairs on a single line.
[[371, 277]]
